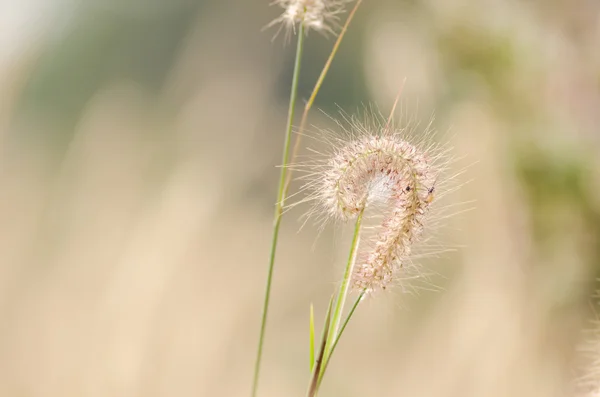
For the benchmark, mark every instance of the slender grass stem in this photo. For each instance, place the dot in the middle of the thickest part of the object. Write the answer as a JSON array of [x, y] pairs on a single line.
[[343, 291], [316, 370], [318, 85], [279, 205], [338, 336]]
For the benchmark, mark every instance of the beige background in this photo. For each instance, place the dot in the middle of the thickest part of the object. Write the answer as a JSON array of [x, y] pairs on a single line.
[[139, 141]]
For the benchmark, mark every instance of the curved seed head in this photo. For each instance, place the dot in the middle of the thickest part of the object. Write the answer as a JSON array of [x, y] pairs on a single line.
[[377, 167]]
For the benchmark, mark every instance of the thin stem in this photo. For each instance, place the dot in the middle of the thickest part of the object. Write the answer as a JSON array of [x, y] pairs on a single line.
[[341, 298], [318, 85], [316, 371], [279, 205], [338, 336]]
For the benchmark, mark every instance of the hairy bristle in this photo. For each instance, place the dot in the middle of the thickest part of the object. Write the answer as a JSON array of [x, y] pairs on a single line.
[[377, 164], [318, 15], [589, 383]]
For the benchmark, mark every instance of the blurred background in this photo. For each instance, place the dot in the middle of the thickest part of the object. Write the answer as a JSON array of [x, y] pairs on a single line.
[[139, 142]]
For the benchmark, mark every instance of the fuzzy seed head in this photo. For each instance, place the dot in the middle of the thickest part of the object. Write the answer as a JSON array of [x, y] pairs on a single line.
[[378, 167], [319, 15], [373, 168]]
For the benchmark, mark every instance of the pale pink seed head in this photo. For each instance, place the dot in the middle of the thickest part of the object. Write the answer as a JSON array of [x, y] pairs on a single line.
[[380, 168], [375, 168]]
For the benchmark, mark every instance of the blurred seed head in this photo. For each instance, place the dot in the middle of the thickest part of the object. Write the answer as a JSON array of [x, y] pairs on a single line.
[[318, 15]]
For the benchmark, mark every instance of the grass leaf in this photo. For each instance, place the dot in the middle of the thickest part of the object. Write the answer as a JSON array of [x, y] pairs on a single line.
[[313, 387]]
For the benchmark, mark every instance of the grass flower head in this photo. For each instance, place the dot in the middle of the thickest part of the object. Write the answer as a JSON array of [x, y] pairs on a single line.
[[318, 15], [377, 166]]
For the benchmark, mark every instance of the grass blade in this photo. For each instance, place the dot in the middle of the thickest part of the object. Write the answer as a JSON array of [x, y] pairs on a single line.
[[337, 338], [278, 208], [314, 379]]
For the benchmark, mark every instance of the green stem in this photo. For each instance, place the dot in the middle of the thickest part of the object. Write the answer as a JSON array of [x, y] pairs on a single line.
[[341, 298], [279, 205], [358, 300], [337, 338], [316, 371]]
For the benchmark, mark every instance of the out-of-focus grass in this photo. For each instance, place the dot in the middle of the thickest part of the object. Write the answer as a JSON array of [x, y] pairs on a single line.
[[136, 184]]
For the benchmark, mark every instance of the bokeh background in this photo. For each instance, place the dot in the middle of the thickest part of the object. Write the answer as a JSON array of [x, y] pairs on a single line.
[[139, 142]]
